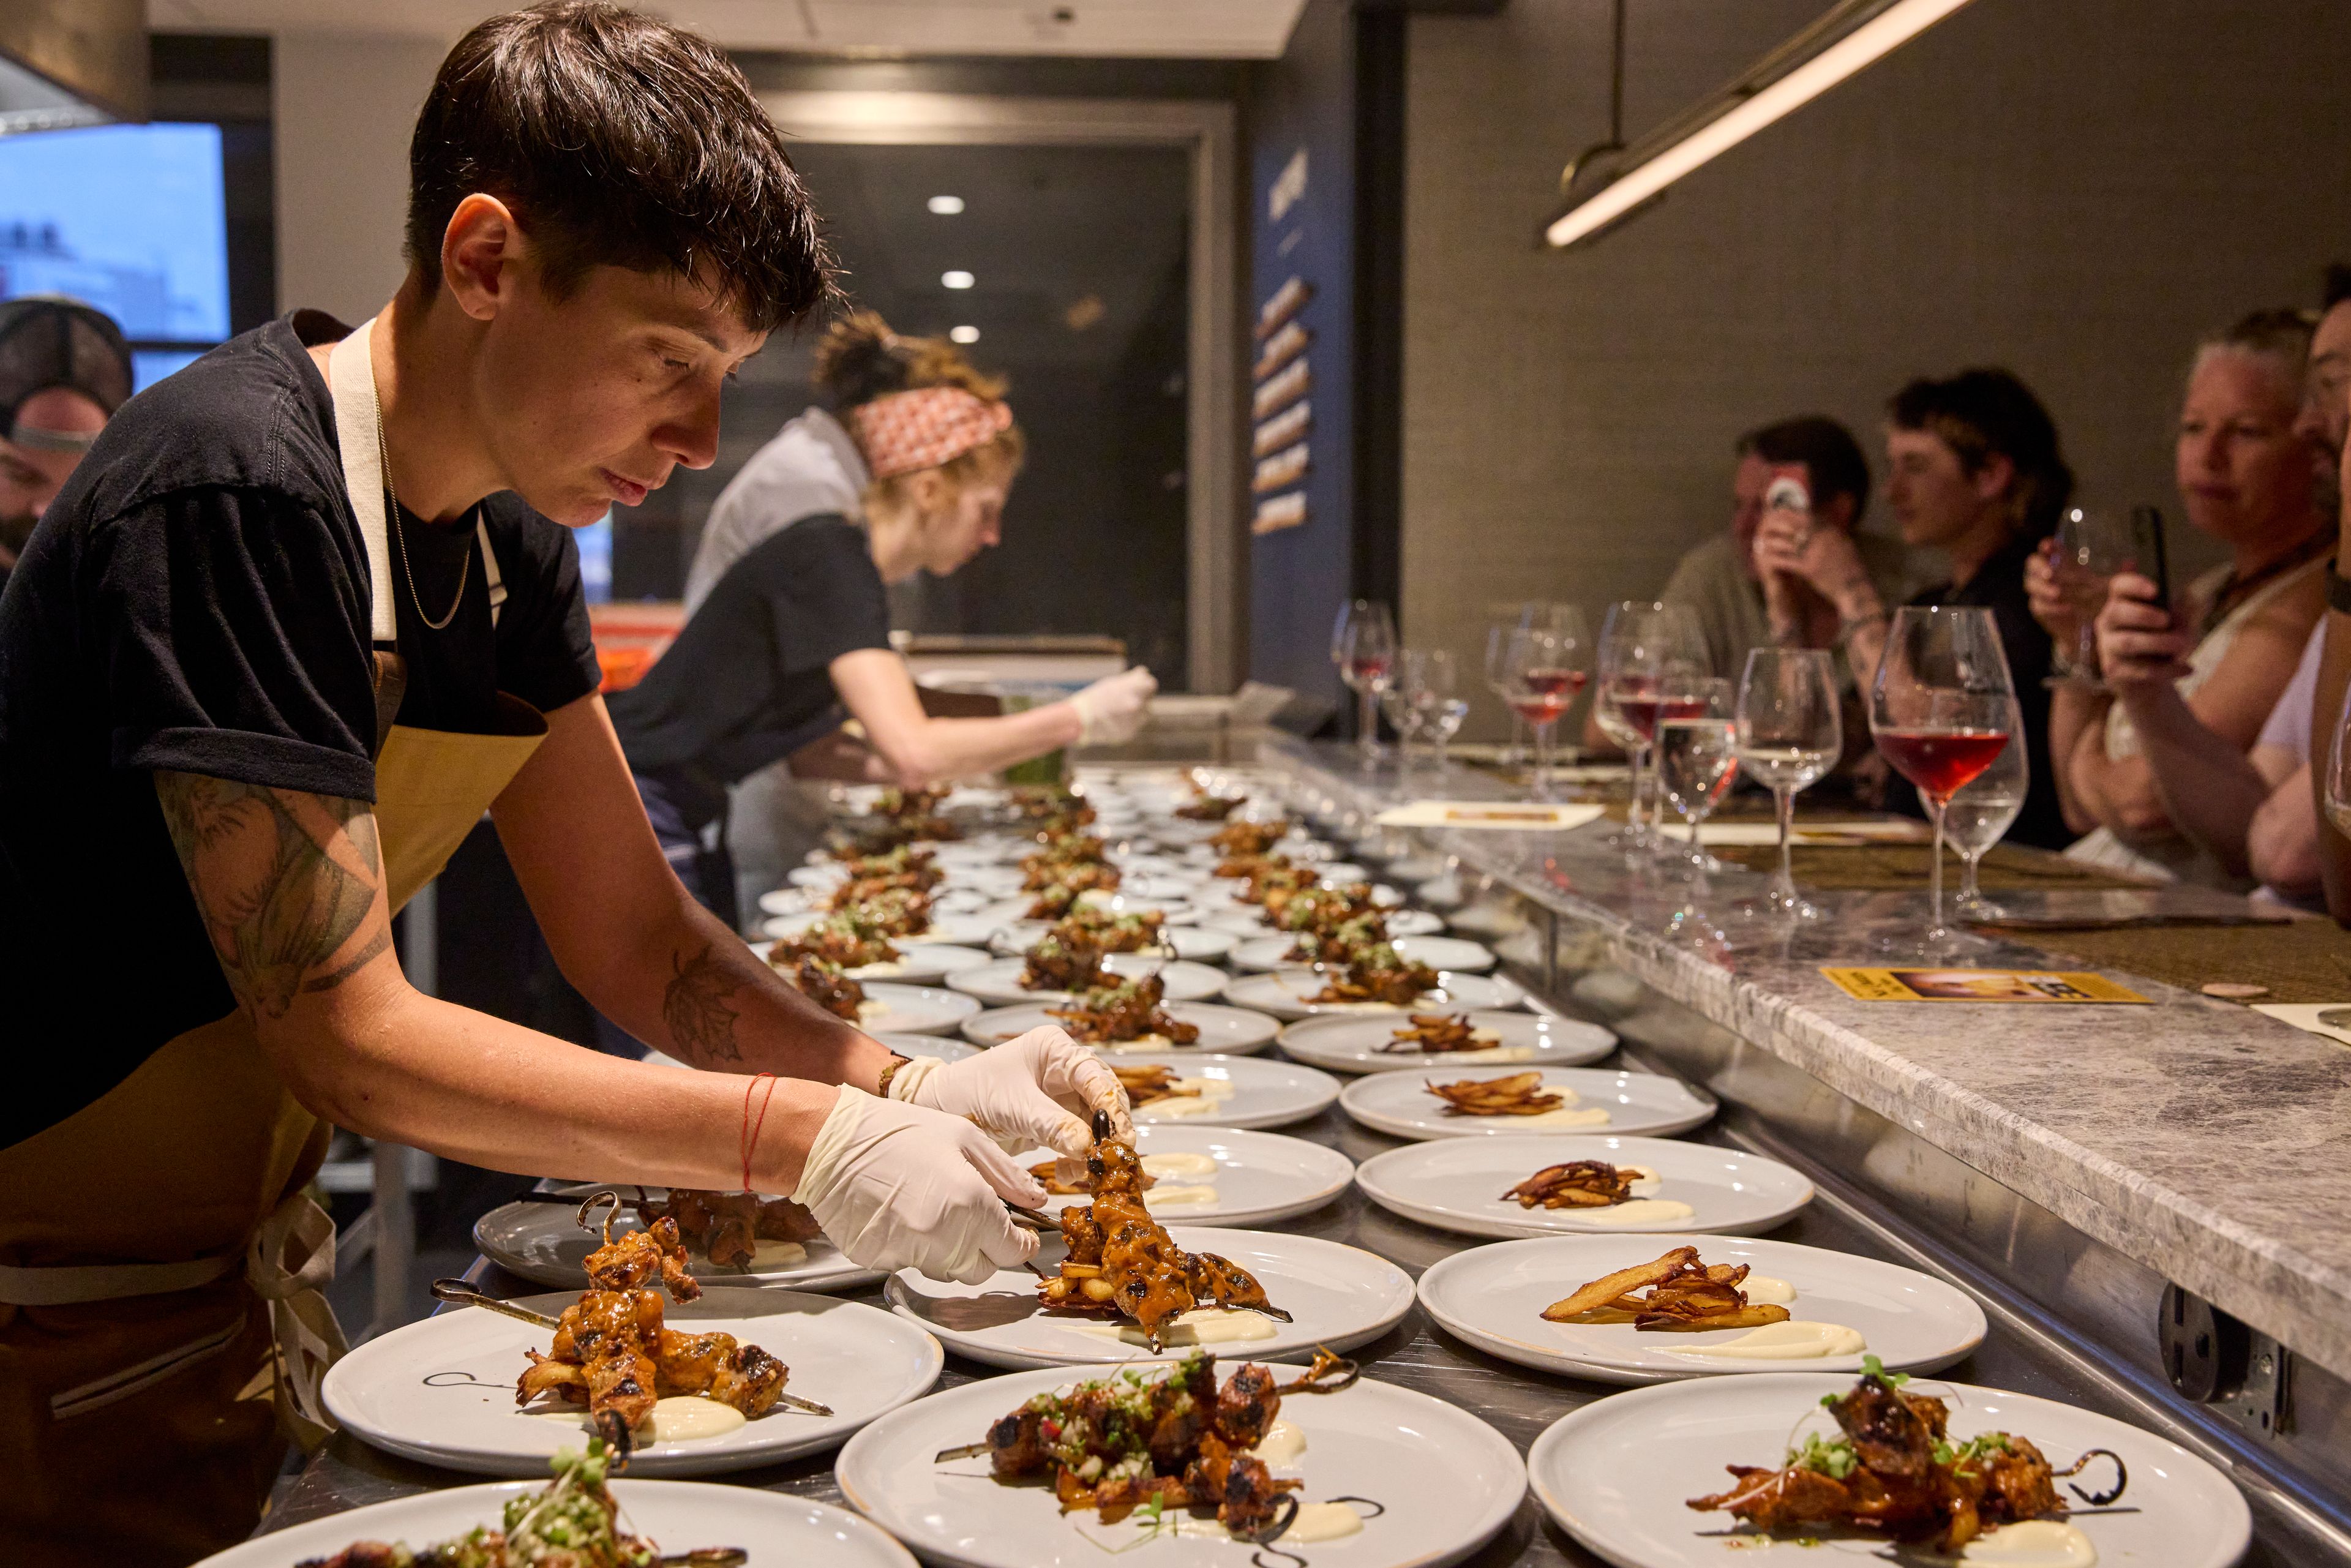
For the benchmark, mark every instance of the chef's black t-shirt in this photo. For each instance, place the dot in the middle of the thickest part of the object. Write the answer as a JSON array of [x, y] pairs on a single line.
[[197, 600], [748, 679]]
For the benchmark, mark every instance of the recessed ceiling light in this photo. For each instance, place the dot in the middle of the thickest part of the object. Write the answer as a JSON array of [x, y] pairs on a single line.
[[946, 206], [963, 334], [954, 279]]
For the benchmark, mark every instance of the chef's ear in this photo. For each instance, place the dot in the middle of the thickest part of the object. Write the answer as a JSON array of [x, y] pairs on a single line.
[[480, 251]]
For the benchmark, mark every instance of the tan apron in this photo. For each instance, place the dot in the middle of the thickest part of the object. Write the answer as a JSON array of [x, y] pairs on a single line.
[[161, 1330]]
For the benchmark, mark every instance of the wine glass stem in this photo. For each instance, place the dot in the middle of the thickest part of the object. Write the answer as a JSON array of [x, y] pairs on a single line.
[[1367, 720], [1638, 754], [1783, 803], [1969, 891], [1935, 877]]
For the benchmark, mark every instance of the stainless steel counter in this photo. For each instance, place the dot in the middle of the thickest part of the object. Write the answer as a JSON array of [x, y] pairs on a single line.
[[2072, 1315]]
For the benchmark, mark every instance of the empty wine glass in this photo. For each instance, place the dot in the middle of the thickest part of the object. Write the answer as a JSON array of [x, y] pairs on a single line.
[[2089, 549], [1363, 646], [1503, 621], [1397, 702], [1434, 677], [1981, 812], [1698, 758], [1546, 672], [1790, 732], [1644, 647], [1943, 708]]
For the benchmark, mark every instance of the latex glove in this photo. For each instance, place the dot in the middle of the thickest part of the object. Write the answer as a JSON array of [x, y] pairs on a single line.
[[1112, 709], [1039, 1090], [897, 1186]]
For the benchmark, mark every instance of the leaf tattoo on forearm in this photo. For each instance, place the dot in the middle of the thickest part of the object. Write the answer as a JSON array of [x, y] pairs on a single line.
[[697, 1005], [283, 880]]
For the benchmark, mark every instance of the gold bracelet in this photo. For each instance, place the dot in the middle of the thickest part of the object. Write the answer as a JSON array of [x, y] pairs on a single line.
[[881, 1086]]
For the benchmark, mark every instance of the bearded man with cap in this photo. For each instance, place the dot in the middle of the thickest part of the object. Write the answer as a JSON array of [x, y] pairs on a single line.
[[64, 369]]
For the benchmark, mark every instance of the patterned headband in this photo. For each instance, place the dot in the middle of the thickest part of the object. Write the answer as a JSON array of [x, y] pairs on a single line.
[[924, 427]]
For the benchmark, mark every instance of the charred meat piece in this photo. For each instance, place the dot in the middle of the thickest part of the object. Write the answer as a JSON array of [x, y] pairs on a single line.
[[1514, 1094], [1578, 1183], [1127, 1012], [1335, 942], [629, 1262], [828, 988], [1060, 964], [1111, 932], [885, 910], [1148, 1085], [1435, 1034], [842, 940], [1378, 974], [1209, 808], [1248, 838], [1684, 1294]]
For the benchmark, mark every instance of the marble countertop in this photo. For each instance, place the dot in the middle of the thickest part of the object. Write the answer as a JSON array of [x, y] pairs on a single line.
[[2205, 1141]]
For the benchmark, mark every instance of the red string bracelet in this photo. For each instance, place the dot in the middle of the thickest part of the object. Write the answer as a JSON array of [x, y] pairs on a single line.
[[751, 1128]]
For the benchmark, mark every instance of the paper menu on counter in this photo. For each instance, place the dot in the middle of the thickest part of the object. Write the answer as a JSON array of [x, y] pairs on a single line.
[[2328, 1020], [1523, 816], [1921, 983]]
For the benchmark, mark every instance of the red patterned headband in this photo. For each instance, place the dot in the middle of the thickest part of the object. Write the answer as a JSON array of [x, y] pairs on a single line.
[[924, 427]]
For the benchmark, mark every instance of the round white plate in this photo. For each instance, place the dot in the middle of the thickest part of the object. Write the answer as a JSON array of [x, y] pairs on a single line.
[[442, 1389], [1637, 1103], [997, 981], [777, 1529], [1494, 1297], [1448, 1481], [543, 1243], [914, 1009], [921, 962], [960, 930], [1351, 1043], [1244, 1090], [1259, 1176], [1194, 943], [1241, 919], [1283, 993], [1015, 911], [1457, 1184], [946, 1046], [1449, 953], [1237, 1031], [1618, 1473], [1338, 1296]]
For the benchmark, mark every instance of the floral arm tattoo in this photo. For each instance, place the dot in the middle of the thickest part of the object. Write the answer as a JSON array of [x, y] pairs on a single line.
[[285, 881]]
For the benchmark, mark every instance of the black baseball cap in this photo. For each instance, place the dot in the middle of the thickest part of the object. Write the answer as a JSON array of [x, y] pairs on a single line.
[[49, 341]]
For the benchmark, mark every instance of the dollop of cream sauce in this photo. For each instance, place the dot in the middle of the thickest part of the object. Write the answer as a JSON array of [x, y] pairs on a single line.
[[881, 971], [2033, 1543], [1638, 1212], [1193, 1096], [767, 1254], [1762, 1290], [1201, 1325], [1323, 1522], [1164, 1195], [1497, 1053], [1794, 1340], [1283, 1443], [1180, 1164], [676, 1418], [1140, 1042]]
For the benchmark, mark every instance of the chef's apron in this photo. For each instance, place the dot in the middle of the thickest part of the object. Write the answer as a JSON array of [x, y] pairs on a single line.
[[162, 1329]]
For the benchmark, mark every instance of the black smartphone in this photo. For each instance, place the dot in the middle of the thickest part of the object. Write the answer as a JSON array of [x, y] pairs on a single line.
[[2147, 550]]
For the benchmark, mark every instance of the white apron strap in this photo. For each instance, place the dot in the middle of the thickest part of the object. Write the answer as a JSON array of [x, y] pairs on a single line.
[[496, 584], [352, 380]]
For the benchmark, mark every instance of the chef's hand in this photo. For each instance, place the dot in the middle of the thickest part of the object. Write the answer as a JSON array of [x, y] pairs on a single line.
[[1112, 709], [1040, 1090], [2137, 645], [898, 1187]]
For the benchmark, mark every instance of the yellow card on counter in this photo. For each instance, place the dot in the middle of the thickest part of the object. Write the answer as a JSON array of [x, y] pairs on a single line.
[[1924, 985]]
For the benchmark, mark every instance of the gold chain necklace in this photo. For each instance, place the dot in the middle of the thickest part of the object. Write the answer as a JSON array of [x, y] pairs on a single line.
[[400, 536]]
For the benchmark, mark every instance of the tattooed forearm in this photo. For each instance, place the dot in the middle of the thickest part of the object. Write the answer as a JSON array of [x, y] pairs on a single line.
[[282, 879], [696, 1007]]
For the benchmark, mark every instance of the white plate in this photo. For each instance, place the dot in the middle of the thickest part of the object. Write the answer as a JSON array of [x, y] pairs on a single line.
[[1236, 1032], [777, 1529], [1617, 1473], [1262, 1093], [1643, 1103], [1259, 1176], [1196, 942], [1283, 993], [1494, 1297], [1449, 1482], [918, 962], [543, 1243], [858, 1359], [914, 1009], [1351, 1043], [1457, 1184], [998, 980], [1450, 953], [946, 1046], [1015, 911], [1338, 1296], [961, 930]]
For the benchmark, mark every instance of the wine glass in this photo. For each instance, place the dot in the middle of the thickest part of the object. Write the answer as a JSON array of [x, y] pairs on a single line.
[[1645, 650], [1546, 670], [1435, 678], [2090, 548], [1503, 621], [1698, 758], [1396, 701], [1363, 646], [1943, 708], [1790, 732], [1982, 811]]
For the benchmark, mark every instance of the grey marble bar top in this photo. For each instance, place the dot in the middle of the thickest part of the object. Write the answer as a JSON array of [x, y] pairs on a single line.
[[2205, 1141]]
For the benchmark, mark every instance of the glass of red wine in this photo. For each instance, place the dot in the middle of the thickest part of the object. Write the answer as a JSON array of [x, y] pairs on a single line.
[[1544, 673], [1942, 709], [1363, 646], [1650, 656]]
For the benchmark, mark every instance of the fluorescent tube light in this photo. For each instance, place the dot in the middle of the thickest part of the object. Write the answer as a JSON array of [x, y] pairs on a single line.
[[1873, 40]]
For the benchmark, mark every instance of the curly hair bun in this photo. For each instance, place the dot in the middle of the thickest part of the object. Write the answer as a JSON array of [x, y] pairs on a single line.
[[860, 358]]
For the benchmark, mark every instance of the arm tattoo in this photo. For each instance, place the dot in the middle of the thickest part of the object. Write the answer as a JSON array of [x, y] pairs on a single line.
[[282, 880], [696, 1006]]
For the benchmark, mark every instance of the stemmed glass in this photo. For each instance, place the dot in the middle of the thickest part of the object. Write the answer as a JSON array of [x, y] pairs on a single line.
[[2090, 548], [1790, 732], [1363, 646], [1396, 701], [1433, 677], [1545, 672], [1647, 650], [1942, 709], [1698, 758], [1503, 622], [1983, 810]]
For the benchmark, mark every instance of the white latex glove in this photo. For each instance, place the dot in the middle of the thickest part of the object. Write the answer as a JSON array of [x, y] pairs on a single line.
[[1112, 709], [1040, 1090], [897, 1187]]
